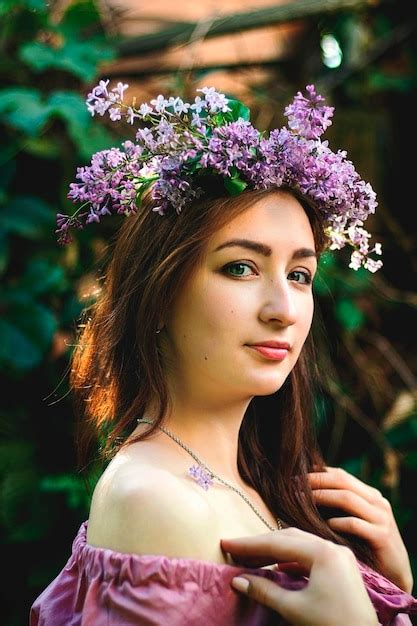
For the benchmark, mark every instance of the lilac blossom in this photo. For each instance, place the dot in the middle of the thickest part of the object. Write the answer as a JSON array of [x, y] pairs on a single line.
[[181, 140], [203, 477], [232, 145], [307, 116]]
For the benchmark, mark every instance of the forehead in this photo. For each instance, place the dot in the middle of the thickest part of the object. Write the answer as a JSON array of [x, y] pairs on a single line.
[[277, 219]]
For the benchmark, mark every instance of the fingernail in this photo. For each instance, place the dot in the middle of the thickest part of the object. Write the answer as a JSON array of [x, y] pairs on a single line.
[[241, 584]]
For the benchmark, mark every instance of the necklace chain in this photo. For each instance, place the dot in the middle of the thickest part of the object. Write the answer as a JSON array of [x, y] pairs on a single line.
[[235, 489]]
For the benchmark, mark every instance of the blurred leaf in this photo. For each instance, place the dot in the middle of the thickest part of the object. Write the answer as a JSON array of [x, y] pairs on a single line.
[[403, 434], [16, 350], [14, 453], [78, 18], [33, 319], [26, 331], [43, 147], [24, 109], [71, 108], [90, 139], [41, 276], [349, 315], [72, 486], [80, 58], [354, 466], [27, 216], [7, 6], [380, 81]]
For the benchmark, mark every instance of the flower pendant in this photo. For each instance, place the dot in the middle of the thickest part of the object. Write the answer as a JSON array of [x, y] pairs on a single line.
[[201, 475]]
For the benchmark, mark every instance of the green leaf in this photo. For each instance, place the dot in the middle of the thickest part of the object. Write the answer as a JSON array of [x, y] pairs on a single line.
[[93, 139], [7, 6], [72, 109], [15, 453], [234, 185], [70, 485], [380, 81], [16, 350], [27, 216], [80, 19], [403, 434], [23, 109], [80, 58], [34, 320], [43, 147], [42, 277], [349, 315], [355, 466], [238, 110]]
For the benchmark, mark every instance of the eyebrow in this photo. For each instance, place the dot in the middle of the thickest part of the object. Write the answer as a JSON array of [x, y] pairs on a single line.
[[262, 248]]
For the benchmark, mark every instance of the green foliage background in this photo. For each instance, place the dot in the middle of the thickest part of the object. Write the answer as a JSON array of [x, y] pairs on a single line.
[[366, 409]]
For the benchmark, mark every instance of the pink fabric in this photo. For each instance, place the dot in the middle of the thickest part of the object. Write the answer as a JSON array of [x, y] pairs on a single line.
[[101, 587]]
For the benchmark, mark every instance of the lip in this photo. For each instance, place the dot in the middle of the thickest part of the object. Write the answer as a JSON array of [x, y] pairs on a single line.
[[272, 350]]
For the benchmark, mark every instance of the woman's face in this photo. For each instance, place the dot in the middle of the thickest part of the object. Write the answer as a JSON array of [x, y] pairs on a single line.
[[241, 295]]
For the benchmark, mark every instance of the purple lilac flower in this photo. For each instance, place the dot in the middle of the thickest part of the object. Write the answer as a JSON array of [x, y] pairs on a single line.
[[307, 116], [201, 475], [232, 145]]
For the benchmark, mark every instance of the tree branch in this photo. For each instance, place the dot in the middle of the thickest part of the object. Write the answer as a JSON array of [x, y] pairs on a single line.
[[181, 33]]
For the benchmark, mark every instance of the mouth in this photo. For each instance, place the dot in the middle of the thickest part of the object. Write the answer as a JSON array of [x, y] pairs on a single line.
[[273, 351]]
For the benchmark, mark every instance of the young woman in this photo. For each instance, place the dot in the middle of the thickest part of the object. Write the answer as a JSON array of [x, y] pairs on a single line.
[[196, 368]]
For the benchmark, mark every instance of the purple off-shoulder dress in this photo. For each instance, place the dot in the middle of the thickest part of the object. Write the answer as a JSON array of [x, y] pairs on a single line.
[[101, 587]]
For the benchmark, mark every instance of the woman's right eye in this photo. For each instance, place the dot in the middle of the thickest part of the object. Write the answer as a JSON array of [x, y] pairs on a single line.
[[227, 269]]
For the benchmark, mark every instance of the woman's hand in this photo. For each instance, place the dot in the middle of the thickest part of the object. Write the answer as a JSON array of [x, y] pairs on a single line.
[[335, 594], [371, 518]]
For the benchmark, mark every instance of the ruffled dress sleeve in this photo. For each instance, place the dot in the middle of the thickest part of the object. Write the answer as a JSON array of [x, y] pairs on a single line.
[[102, 587]]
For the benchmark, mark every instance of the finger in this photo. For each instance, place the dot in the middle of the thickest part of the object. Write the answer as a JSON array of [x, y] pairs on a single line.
[[285, 545], [354, 526], [338, 478], [287, 603], [348, 501]]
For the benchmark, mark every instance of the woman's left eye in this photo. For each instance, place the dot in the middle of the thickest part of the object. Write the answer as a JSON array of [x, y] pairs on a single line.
[[304, 278]]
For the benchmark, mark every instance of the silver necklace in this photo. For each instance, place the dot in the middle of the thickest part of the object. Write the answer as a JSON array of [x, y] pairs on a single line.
[[204, 476]]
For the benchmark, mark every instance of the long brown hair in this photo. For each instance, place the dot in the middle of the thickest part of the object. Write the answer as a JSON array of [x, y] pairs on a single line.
[[117, 365]]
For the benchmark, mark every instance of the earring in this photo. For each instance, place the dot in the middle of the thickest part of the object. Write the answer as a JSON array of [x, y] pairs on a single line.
[[158, 331]]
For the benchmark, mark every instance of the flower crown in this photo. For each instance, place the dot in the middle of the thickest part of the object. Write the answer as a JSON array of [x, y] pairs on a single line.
[[213, 135]]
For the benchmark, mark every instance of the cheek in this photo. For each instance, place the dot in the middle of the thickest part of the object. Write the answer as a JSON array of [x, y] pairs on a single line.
[[305, 319], [205, 318], [217, 313]]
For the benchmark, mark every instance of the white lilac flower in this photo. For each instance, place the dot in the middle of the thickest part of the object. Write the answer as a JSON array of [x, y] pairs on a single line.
[[198, 105], [145, 109], [160, 103], [115, 114]]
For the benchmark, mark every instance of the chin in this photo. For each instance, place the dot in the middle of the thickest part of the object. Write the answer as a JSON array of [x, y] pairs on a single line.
[[268, 385]]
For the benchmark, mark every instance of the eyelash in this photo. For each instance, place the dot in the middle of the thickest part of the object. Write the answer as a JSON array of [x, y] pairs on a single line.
[[307, 275]]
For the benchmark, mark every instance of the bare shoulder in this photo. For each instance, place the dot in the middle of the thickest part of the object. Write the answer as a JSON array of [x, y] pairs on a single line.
[[140, 508]]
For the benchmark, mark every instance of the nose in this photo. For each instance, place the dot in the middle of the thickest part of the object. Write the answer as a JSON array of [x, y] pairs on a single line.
[[280, 304]]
